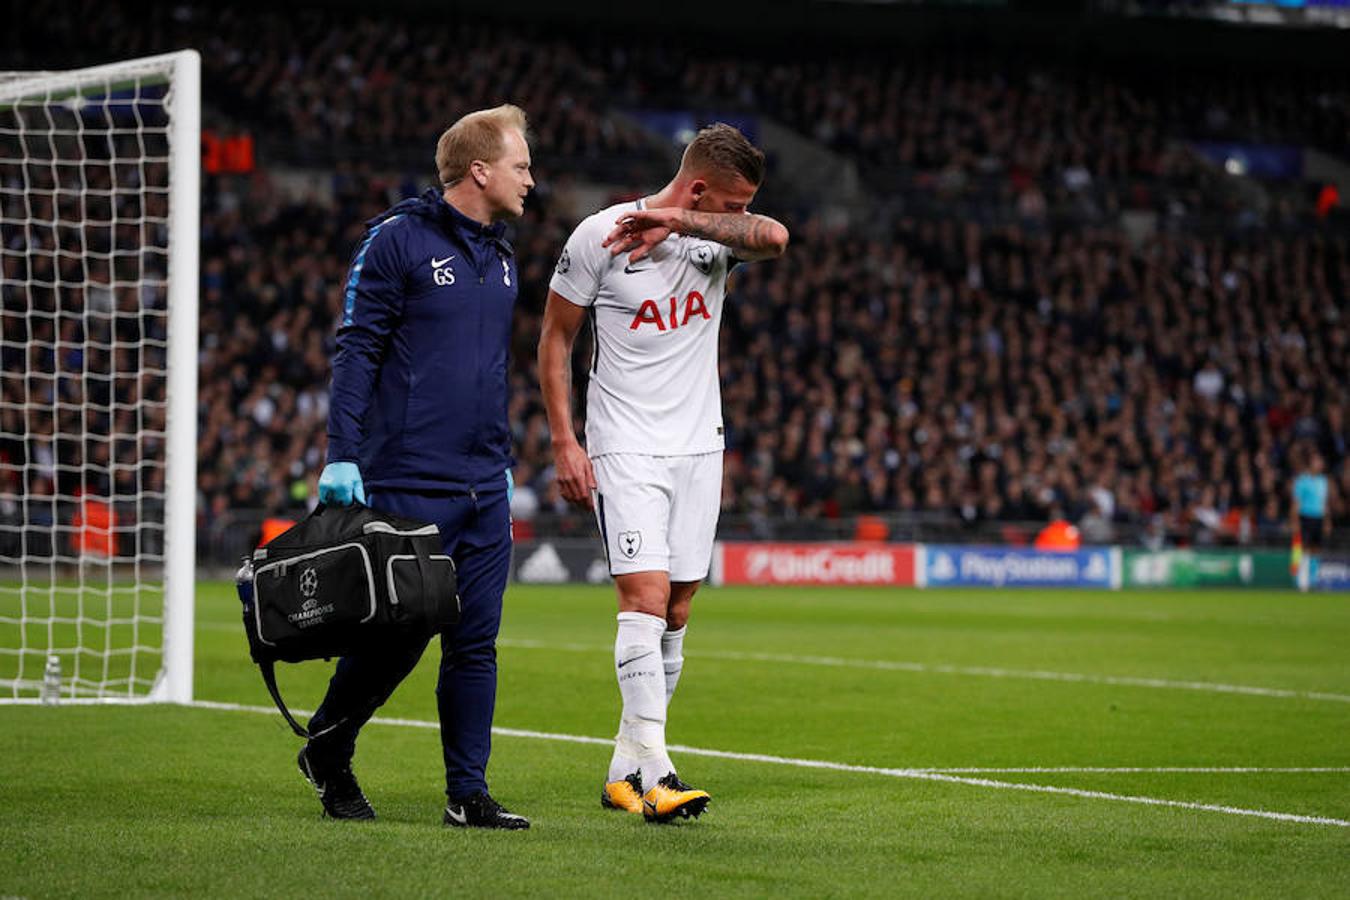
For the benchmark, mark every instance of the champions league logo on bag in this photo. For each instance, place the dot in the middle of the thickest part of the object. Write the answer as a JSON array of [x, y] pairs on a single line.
[[311, 613], [309, 583]]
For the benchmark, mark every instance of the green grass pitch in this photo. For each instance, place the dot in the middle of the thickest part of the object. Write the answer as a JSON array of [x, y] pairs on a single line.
[[173, 801]]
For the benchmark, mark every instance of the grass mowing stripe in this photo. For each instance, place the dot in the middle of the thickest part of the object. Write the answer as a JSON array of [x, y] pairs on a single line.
[[985, 671], [934, 668], [930, 668], [827, 765], [80, 701], [945, 770]]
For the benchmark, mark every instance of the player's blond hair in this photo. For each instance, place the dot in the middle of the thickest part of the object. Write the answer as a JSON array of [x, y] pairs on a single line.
[[477, 136], [721, 148]]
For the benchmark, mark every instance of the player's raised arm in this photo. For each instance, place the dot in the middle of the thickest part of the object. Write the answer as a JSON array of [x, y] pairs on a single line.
[[562, 322], [749, 235]]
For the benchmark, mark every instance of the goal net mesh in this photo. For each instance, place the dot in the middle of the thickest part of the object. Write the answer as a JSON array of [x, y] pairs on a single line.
[[84, 269]]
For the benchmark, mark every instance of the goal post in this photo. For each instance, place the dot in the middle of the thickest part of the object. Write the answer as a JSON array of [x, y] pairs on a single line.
[[99, 231], [180, 517]]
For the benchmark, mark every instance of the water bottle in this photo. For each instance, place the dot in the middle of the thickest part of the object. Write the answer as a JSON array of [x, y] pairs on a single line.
[[243, 583], [51, 681]]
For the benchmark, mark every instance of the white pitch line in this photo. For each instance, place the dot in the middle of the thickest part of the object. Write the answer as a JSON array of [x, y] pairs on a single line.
[[1138, 770], [982, 671], [884, 665], [913, 774]]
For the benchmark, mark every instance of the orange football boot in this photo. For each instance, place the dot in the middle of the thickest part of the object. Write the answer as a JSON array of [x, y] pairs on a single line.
[[672, 799]]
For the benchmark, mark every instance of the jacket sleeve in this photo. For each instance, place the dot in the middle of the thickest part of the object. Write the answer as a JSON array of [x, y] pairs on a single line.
[[372, 306]]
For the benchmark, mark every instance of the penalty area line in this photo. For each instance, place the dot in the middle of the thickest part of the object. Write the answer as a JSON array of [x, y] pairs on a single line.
[[829, 766]]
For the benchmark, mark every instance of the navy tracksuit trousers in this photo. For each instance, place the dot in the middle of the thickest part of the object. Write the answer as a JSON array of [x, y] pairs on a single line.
[[476, 532]]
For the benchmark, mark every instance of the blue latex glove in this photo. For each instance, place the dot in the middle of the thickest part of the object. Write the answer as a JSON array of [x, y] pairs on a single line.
[[510, 486], [340, 484]]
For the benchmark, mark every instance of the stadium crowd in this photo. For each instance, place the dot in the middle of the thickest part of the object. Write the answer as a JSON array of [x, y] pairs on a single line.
[[1013, 376], [944, 110], [937, 363], [83, 330], [325, 85], [941, 367]]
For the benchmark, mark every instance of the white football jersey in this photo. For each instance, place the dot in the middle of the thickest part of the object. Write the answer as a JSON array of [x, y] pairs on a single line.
[[653, 377]]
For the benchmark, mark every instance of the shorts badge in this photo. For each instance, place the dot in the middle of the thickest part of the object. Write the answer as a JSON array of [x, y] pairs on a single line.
[[630, 542]]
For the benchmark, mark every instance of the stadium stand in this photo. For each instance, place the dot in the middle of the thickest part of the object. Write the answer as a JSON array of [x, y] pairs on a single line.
[[991, 349]]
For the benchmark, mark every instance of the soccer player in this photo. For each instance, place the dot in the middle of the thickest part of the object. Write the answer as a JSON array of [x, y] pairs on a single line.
[[651, 276], [418, 427], [1308, 517]]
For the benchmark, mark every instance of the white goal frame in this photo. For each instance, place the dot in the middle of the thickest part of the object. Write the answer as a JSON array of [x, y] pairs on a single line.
[[182, 71]]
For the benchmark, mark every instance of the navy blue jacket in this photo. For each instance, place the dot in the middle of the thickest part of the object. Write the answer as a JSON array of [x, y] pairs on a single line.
[[419, 390]]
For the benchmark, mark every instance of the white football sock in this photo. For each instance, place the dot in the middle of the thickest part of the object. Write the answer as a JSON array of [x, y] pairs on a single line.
[[641, 742], [672, 658]]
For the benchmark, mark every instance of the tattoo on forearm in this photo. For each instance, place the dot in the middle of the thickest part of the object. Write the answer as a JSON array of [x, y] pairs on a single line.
[[738, 231]]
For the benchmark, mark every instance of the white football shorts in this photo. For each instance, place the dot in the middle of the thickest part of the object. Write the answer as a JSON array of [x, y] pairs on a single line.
[[658, 513]]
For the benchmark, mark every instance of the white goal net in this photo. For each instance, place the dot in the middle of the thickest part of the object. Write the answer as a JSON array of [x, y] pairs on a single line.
[[98, 340]]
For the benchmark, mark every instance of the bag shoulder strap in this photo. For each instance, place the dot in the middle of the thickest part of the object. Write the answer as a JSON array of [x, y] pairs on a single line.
[[269, 675]]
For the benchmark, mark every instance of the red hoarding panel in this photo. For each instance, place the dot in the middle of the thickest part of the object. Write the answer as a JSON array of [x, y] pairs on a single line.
[[751, 563]]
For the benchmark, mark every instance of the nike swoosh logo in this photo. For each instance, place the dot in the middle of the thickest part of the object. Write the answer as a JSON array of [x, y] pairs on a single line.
[[635, 658], [437, 263], [629, 270], [457, 814]]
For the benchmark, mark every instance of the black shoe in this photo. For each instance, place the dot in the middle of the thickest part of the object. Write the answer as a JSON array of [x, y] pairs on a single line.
[[338, 791], [481, 811]]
